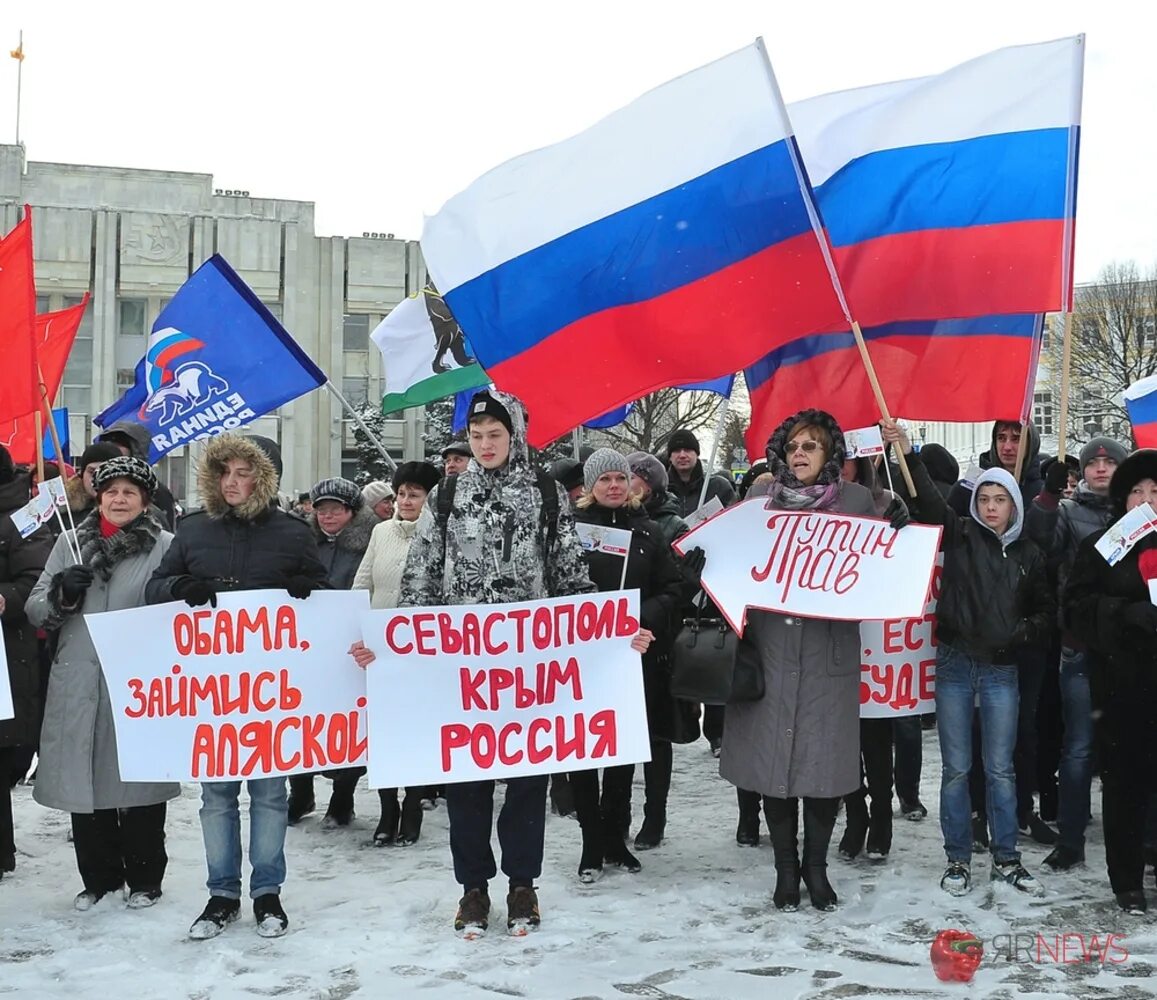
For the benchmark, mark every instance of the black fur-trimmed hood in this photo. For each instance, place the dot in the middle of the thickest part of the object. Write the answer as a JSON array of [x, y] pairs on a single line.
[[218, 452], [832, 471]]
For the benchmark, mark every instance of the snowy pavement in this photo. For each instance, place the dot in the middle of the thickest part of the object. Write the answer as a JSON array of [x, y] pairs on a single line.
[[697, 922]]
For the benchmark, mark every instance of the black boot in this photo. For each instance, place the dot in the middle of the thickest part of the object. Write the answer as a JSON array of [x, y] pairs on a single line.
[[747, 832], [387, 831], [783, 827], [650, 834], [657, 783], [856, 824], [880, 828], [411, 824], [590, 867], [340, 811], [819, 819], [301, 800], [615, 850]]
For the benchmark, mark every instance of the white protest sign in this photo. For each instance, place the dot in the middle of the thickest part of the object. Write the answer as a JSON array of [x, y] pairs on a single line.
[[7, 711], [596, 538], [479, 692], [704, 513], [898, 665], [813, 563], [864, 442], [258, 686], [1115, 543], [1152, 600]]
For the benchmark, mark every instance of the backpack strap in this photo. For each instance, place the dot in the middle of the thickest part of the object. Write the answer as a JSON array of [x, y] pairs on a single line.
[[548, 518], [445, 504]]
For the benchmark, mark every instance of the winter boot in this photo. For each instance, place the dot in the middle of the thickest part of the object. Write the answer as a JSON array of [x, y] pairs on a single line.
[[856, 825], [783, 827], [615, 851], [340, 811], [301, 800], [270, 917], [411, 824], [218, 913], [880, 828], [1039, 830], [747, 832], [819, 819], [522, 914], [590, 868], [650, 834], [387, 831], [473, 914]]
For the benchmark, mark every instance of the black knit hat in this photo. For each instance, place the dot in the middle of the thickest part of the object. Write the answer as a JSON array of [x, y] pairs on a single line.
[[1103, 447], [1141, 464], [272, 452], [567, 472], [98, 451], [341, 490], [681, 440], [418, 474], [485, 405], [125, 467]]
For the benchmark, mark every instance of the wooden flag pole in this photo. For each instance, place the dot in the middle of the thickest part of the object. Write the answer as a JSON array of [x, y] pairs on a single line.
[[879, 394], [39, 447], [56, 446], [1066, 361]]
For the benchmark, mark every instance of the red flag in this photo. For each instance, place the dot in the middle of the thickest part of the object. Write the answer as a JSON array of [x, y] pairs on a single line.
[[19, 385], [55, 333]]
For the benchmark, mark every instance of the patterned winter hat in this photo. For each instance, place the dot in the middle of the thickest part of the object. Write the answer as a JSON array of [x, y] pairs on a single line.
[[341, 490], [649, 469], [601, 462], [125, 467]]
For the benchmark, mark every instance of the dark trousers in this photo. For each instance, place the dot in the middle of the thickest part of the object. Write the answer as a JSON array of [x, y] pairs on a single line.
[[115, 846], [8, 757], [521, 829], [876, 773], [1030, 675], [908, 735], [657, 780], [713, 722], [1050, 736], [1127, 734]]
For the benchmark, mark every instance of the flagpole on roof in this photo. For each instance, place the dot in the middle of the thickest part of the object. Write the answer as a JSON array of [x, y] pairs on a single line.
[[825, 245], [18, 54], [357, 419]]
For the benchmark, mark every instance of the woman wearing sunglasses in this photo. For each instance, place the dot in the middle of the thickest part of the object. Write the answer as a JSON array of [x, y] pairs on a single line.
[[802, 739]]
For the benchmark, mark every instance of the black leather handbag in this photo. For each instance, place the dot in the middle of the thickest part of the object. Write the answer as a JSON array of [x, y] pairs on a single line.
[[709, 664]]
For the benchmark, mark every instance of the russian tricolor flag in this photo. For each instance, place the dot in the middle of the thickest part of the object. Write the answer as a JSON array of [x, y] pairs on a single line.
[[952, 195], [672, 242], [974, 369], [1141, 403]]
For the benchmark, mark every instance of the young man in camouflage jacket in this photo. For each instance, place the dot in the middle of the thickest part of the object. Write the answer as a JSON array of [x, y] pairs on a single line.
[[492, 547]]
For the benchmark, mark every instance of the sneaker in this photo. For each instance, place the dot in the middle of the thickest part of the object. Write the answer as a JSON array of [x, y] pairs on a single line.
[[716, 747], [1013, 873], [877, 852], [87, 899], [1132, 902], [473, 914], [1062, 859], [913, 811], [219, 912], [270, 917], [1040, 831], [521, 910], [142, 899], [957, 878]]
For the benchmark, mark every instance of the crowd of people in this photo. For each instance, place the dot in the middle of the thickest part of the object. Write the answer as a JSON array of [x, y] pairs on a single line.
[[1046, 655]]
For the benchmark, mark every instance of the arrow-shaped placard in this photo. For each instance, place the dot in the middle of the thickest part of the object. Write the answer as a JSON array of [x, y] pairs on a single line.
[[814, 564]]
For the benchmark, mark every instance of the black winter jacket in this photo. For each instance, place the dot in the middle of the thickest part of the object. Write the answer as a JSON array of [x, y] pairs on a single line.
[[341, 556], [995, 599], [663, 510], [687, 493], [21, 561]]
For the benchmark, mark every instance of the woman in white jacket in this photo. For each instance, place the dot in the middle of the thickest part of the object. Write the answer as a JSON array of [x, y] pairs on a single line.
[[381, 574]]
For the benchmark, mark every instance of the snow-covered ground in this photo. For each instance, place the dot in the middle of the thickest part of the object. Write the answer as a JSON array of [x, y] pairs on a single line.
[[697, 922]]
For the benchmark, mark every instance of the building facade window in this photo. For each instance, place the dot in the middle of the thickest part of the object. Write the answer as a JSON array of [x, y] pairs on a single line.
[[355, 332], [76, 389], [1042, 413]]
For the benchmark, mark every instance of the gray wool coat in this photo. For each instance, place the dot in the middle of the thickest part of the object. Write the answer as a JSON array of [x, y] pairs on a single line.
[[802, 738], [79, 770]]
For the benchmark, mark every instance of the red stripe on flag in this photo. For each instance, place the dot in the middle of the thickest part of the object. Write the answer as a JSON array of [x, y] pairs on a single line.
[[710, 327], [933, 273], [19, 388]]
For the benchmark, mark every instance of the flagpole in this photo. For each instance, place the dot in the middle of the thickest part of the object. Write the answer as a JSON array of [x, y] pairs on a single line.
[[821, 235], [19, 76], [39, 447], [719, 425], [373, 439], [59, 451], [576, 438]]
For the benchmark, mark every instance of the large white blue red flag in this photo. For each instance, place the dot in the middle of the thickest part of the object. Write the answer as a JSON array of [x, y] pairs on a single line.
[[1141, 404], [952, 195], [674, 241]]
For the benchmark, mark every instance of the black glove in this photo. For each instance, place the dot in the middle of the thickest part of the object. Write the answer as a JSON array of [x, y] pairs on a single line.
[[692, 566], [1057, 478], [74, 581], [897, 513], [1142, 615], [300, 587], [195, 592]]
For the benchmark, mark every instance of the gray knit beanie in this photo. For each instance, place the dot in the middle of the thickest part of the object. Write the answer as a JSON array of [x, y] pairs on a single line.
[[601, 462], [649, 469], [377, 491]]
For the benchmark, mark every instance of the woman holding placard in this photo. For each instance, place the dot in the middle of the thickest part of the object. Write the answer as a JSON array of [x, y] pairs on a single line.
[[118, 827], [380, 573], [1110, 608], [649, 566], [801, 740]]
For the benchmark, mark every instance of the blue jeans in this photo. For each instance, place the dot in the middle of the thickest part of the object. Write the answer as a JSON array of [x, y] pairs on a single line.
[[1076, 771], [959, 679], [221, 830]]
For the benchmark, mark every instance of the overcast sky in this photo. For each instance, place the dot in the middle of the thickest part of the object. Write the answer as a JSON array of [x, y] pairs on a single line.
[[379, 111]]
